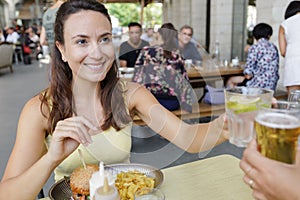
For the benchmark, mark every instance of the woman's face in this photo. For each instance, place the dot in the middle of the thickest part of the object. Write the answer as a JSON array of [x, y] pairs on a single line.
[[88, 47]]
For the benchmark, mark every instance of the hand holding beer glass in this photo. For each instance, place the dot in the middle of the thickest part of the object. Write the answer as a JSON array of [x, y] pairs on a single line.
[[241, 105], [277, 130]]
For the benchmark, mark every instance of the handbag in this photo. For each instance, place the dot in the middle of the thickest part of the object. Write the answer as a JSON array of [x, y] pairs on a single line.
[[213, 95], [26, 49]]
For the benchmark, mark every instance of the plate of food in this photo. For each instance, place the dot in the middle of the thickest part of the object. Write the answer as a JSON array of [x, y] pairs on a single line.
[[126, 176]]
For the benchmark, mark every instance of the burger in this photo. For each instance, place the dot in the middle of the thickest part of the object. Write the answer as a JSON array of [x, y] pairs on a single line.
[[79, 181]]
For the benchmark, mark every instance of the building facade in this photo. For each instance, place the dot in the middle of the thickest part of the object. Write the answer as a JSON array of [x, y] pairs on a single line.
[[24, 11]]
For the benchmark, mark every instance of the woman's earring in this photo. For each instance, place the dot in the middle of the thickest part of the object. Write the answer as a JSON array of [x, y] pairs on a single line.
[[64, 59]]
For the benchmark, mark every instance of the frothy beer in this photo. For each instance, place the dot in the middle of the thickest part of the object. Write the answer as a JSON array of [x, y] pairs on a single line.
[[277, 135]]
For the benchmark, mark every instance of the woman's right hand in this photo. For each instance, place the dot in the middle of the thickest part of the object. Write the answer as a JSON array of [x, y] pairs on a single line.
[[67, 136]]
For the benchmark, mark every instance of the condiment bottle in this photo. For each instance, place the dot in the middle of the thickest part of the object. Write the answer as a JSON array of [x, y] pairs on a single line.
[[106, 192], [97, 179]]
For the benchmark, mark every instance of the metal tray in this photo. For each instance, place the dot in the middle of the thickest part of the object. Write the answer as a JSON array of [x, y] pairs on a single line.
[[62, 191]]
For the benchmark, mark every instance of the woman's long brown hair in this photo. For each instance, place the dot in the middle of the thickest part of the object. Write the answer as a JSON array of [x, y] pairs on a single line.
[[59, 97]]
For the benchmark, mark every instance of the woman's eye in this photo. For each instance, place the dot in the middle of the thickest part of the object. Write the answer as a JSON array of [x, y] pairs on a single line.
[[105, 40], [81, 41]]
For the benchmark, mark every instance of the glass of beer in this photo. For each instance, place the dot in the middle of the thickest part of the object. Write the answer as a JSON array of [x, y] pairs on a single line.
[[241, 105], [277, 130]]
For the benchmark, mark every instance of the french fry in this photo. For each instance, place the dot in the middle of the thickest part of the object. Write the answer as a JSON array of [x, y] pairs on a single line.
[[129, 182]]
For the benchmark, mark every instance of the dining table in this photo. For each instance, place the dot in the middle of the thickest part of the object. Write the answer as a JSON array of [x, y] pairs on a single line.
[[200, 76], [214, 178]]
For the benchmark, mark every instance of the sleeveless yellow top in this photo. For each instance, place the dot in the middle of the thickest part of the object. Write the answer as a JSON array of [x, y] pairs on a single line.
[[109, 146]]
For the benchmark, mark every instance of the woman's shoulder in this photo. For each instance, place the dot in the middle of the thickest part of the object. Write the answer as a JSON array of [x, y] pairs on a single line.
[[155, 48], [135, 89], [35, 107], [291, 21]]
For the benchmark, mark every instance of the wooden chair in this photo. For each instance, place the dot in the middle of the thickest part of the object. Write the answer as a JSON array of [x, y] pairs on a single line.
[[6, 56]]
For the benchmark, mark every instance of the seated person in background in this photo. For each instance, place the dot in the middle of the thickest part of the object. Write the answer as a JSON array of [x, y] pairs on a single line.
[[187, 48], [270, 179], [156, 39], [130, 50], [32, 35], [12, 35], [261, 69], [161, 69], [148, 35]]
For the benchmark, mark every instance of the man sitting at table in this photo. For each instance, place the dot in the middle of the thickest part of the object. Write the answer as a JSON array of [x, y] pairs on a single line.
[[187, 48], [129, 50]]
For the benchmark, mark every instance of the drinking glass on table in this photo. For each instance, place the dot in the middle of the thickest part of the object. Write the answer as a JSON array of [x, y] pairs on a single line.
[[277, 131], [294, 95], [149, 194], [241, 105], [197, 64]]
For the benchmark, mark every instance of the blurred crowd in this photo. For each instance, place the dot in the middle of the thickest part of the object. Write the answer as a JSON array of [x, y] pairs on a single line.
[[25, 39]]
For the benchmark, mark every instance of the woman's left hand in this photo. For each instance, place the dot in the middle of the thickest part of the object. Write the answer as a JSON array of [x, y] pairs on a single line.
[[270, 179]]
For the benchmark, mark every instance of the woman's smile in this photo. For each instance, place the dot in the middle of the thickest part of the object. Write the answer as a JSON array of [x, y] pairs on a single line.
[[95, 67]]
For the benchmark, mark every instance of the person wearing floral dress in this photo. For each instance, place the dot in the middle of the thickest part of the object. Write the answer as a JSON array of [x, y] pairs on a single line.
[[262, 65], [161, 70]]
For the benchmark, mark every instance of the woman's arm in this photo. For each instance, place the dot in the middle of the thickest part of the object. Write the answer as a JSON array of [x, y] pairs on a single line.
[[24, 176], [43, 36], [30, 164], [192, 138], [282, 41]]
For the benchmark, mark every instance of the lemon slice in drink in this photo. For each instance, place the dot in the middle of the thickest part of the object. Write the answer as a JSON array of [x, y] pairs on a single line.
[[241, 104], [244, 100]]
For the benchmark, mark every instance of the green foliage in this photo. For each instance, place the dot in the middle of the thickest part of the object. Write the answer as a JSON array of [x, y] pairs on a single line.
[[153, 15], [130, 12], [125, 12]]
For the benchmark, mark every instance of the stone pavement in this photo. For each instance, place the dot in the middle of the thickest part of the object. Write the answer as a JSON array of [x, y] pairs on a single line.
[[27, 80]]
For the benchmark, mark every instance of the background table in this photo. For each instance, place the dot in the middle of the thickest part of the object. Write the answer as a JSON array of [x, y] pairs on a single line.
[[199, 78]]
